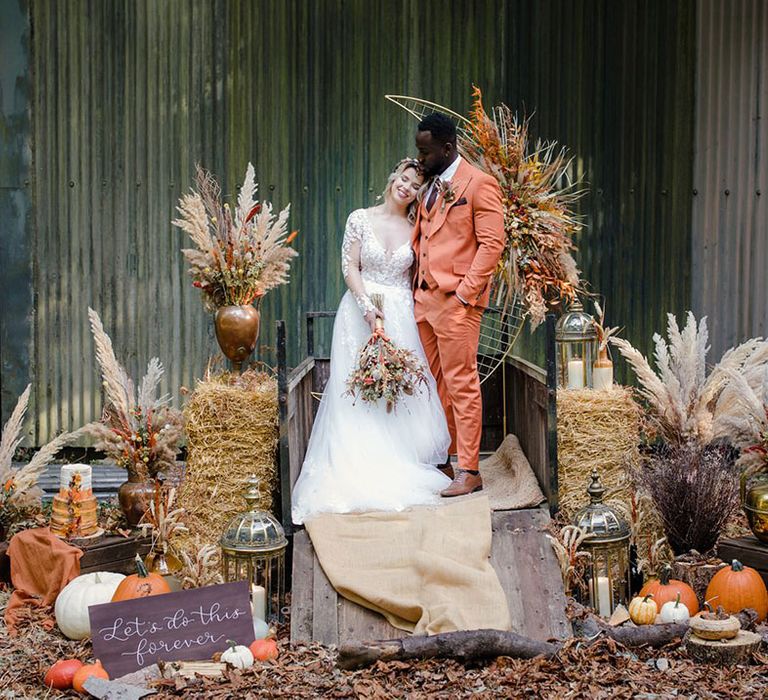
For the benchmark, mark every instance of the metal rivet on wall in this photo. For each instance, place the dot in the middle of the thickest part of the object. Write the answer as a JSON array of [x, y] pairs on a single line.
[[727, 192], [171, 185], [71, 183], [758, 192], [103, 183], [695, 192], [306, 189], [138, 184], [271, 188], [338, 188], [631, 190], [26, 183], [664, 193]]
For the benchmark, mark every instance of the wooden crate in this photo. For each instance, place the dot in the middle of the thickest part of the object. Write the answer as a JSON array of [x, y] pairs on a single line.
[[110, 553], [113, 553], [749, 551]]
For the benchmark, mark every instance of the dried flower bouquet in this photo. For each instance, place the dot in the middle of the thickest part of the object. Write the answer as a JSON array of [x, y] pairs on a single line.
[[238, 257], [384, 371], [18, 487], [138, 429], [538, 198]]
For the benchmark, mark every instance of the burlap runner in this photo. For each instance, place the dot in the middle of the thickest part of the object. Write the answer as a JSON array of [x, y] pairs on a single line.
[[427, 569]]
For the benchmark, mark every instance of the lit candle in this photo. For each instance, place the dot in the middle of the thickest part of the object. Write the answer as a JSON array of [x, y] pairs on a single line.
[[602, 377], [603, 594], [258, 602], [576, 374]]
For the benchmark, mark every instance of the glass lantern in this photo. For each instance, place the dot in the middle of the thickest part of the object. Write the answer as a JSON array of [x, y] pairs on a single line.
[[607, 542], [253, 549], [576, 340]]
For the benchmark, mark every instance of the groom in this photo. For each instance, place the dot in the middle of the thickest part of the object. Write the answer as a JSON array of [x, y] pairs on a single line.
[[458, 238]]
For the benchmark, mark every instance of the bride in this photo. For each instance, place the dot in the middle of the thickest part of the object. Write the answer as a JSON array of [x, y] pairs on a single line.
[[359, 457]]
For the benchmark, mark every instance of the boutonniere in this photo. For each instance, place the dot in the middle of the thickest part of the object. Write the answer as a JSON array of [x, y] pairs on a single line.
[[448, 194]]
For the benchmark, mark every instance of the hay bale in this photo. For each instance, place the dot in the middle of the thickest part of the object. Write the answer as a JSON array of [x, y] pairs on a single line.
[[595, 430], [232, 432]]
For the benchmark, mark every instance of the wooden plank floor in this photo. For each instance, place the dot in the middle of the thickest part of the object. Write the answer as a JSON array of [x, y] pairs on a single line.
[[520, 554]]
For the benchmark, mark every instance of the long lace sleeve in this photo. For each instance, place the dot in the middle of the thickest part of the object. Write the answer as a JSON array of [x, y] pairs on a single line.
[[350, 263]]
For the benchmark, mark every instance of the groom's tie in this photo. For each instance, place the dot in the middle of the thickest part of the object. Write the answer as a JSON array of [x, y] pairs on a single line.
[[433, 194]]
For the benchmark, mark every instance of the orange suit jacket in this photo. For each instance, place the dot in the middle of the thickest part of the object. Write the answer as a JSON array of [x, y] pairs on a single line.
[[462, 240]]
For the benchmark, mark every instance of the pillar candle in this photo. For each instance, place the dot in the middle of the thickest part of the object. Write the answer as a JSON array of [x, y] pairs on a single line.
[[258, 601], [576, 374], [603, 593]]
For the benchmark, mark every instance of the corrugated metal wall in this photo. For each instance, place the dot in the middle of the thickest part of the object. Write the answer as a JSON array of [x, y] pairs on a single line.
[[128, 94], [730, 208]]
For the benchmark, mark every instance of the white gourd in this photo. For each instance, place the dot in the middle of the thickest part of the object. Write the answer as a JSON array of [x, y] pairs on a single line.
[[238, 656], [71, 609], [674, 611]]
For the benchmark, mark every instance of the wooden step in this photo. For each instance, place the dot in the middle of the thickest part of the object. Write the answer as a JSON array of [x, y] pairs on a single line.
[[520, 554]]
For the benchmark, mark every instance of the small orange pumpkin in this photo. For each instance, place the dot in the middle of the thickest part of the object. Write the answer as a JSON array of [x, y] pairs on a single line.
[[264, 649], [82, 674], [60, 675], [142, 584], [665, 590], [736, 587]]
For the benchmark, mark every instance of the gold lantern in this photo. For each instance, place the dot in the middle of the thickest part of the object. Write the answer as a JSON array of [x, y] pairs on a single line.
[[253, 549], [607, 542], [576, 340]]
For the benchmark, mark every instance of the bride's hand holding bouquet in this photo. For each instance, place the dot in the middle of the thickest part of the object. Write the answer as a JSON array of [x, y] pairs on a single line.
[[384, 371]]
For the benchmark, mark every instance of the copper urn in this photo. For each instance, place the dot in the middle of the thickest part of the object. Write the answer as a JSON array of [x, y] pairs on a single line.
[[237, 330], [754, 498]]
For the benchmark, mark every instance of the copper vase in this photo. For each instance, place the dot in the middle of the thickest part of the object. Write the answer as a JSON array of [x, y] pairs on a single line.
[[237, 330], [134, 497]]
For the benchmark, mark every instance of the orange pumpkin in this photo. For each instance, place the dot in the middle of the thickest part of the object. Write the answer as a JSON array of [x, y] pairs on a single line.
[[665, 589], [85, 672], [60, 675], [736, 587], [264, 649], [142, 584]]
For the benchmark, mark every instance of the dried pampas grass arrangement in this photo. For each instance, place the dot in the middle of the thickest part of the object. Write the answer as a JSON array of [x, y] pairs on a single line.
[[232, 432], [596, 430]]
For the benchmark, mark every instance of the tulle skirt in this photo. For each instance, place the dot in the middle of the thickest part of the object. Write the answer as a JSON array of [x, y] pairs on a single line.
[[359, 457]]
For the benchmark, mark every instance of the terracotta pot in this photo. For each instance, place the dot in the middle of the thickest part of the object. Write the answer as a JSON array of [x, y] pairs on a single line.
[[134, 497], [237, 330]]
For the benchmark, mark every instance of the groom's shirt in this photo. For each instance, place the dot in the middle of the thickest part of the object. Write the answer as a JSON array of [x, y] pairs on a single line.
[[445, 176]]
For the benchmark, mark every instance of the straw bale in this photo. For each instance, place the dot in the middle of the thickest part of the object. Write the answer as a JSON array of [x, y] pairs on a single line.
[[231, 423], [595, 430]]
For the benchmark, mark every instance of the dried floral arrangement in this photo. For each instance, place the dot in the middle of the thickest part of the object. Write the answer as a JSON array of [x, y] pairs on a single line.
[[604, 332], [538, 198], [574, 562], [139, 430], [161, 519], [18, 487], [681, 397], [741, 416], [238, 257], [695, 491], [383, 371], [202, 565]]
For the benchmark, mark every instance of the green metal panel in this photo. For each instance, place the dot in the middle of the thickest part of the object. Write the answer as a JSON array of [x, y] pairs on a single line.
[[15, 203], [129, 94]]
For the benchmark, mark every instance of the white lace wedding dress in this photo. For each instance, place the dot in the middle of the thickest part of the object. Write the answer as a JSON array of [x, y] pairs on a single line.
[[359, 457]]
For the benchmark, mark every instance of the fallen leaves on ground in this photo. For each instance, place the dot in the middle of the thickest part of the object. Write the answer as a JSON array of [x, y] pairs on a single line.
[[599, 671]]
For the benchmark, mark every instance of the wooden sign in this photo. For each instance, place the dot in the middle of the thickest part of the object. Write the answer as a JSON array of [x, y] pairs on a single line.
[[187, 625]]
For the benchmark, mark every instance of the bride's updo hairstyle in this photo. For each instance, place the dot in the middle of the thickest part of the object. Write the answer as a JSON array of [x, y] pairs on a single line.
[[401, 167]]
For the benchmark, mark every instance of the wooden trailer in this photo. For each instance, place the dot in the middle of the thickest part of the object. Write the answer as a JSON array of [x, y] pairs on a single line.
[[518, 398]]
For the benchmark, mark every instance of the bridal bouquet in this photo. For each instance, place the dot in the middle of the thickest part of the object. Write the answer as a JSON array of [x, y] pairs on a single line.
[[383, 370]]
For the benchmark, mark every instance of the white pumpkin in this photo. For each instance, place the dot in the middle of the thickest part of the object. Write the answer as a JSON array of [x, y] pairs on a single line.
[[238, 656], [71, 608], [674, 611]]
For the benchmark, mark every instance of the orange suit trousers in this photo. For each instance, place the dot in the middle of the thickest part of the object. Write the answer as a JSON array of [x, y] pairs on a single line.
[[450, 333]]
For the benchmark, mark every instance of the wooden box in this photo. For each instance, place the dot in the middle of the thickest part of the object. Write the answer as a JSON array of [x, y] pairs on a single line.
[[749, 551], [109, 553]]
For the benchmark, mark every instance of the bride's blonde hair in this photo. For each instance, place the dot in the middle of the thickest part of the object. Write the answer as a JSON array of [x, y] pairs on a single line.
[[401, 167]]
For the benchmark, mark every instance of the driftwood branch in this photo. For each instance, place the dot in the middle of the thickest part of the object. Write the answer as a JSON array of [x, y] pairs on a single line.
[[489, 644]]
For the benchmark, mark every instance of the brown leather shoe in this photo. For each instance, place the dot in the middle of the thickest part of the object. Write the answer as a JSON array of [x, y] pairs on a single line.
[[462, 484]]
